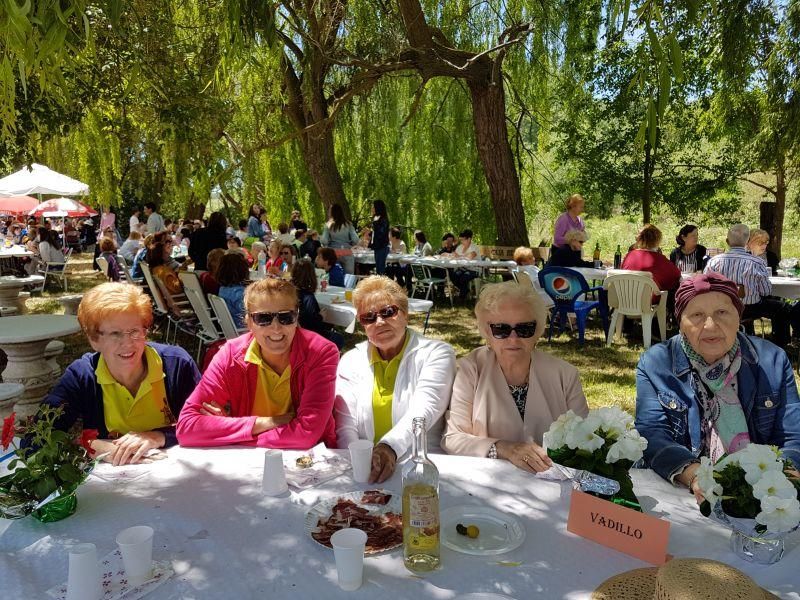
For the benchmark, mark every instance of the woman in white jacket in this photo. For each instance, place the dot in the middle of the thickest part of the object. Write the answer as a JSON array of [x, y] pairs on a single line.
[[396, 375]]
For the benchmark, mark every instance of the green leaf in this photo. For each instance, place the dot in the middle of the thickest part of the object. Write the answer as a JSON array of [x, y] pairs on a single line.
[[68, 473], [44, 487], [676, 56]]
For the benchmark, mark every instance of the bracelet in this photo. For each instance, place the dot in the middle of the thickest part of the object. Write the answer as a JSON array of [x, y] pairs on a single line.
[[691, 483], [493, 451]]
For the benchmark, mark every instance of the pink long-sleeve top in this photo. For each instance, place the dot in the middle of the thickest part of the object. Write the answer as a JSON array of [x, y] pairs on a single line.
[[564, 223], [229, 380]]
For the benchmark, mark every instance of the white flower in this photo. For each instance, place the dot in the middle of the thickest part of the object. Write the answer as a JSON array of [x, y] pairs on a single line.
[[629, 446], [583, 437], [614, 420], [556, 436], [711, 490], [774, 483], [779, 514], [757, 459]]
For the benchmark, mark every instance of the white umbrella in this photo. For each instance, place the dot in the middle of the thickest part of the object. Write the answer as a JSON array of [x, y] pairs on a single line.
[[41, 180]]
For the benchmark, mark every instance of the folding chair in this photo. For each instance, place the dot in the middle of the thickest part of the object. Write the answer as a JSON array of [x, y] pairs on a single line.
[[426, 282], [55, 270], [126, 271], [207, 332], [103, 264], [224, 317]]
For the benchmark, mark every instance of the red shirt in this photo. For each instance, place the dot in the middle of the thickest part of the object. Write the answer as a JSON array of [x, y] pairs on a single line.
[[666, 275]]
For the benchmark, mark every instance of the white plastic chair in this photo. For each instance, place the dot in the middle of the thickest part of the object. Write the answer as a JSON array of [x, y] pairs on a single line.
[[630, 294], [224, 317], [56, 270], [103, 264], [207, 332]]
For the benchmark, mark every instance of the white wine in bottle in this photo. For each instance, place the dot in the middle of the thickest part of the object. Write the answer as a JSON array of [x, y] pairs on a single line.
[[420, 506]]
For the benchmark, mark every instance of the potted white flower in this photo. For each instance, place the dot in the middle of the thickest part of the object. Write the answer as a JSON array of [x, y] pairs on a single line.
[[750, 492], [605, 443]]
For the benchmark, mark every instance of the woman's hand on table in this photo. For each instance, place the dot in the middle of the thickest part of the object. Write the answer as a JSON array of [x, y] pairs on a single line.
[[263, 424], [527, 456], [131, 448], [688, 477], [384, 460]]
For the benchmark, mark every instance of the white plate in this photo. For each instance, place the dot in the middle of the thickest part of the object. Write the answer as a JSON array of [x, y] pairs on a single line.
[[323, 509], [499, 532]]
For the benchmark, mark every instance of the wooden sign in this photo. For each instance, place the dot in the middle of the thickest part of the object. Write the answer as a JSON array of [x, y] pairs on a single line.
[[617, 527]]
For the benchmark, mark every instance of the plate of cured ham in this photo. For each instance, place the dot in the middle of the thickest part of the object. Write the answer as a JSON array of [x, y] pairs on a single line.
[[376, 512]]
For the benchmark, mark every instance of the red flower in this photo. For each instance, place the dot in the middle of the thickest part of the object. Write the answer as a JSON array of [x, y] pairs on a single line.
[[87, 436], [8, 430]]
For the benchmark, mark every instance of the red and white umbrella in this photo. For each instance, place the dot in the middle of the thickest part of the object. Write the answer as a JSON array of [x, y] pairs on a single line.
[[64, 206], [17, 205]]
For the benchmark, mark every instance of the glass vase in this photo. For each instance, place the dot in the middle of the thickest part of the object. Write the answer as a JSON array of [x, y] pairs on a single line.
[[748, 544]]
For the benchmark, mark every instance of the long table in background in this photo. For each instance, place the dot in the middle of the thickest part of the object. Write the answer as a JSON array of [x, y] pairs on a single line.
[[225, 539], [336, 310]]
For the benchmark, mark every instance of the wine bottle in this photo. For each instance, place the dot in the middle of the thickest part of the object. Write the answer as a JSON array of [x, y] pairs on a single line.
[[596, 256], [420, 506], [618, 257]]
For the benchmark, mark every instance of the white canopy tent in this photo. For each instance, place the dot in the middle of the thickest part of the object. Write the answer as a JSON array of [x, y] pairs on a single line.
[[41, 180]]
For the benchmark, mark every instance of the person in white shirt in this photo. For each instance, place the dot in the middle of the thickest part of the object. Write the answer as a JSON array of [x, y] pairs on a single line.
[[50, 246], [131, 247], [133, 222], [385, 382], [397, 246], [155, 222], [469, 251]]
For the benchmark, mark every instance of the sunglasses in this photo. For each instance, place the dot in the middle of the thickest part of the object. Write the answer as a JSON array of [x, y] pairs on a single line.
[[387, 312], [501, 331], [264, 319]]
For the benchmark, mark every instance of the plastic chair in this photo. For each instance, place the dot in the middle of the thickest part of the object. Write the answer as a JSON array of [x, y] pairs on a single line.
[[224, 317], [631, 295], [565, 287], [56, 270], [207, 332], [103, 264]]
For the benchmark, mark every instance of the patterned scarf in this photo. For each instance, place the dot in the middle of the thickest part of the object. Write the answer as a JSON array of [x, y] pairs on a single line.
[[724, 427]]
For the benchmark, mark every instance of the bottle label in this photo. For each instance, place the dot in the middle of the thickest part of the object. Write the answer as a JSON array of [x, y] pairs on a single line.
[[422, 511]]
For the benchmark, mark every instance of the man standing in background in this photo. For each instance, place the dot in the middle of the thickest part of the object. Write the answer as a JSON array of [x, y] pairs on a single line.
[[155, 222]]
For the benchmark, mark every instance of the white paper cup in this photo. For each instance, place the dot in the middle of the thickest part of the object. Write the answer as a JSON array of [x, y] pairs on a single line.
[[83, 580], [348, 549], [136, 546], [274, 481], [361, 459]]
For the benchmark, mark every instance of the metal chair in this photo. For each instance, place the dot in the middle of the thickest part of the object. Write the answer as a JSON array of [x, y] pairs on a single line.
[[56, 270], [103, 264], [424, 281], [162, 308], [207, 332], [350, 281], [126, 271], [224, 317], [631, 295], [566, 287]]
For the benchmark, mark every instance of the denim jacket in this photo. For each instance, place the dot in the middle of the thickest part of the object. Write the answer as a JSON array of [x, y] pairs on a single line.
[[668, 415]]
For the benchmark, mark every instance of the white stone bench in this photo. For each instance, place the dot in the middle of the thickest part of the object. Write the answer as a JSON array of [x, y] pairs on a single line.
[[53, 350], [9, 392], [70, 303]]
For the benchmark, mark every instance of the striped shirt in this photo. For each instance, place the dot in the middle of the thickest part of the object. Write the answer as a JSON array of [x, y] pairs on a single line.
[[743, 269]]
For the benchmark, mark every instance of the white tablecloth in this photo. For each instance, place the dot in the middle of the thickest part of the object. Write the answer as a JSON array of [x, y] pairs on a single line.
[[338, 311], [783, 287], [225, 540]]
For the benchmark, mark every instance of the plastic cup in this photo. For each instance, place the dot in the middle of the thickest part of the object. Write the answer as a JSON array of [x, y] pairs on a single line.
[[273, 482], [361, 459], [348, 549], [136, 546], [83, 580]]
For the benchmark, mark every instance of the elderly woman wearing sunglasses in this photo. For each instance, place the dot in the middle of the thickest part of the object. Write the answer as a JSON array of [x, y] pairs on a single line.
[[128, 389], [506, 394], [272, 387], [396, 375]]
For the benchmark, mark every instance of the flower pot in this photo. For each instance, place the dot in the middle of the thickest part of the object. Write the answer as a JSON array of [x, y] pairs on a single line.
[[57, 509]]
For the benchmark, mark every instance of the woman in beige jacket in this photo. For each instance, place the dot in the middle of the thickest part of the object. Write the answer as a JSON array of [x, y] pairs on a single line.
[[506, 394]]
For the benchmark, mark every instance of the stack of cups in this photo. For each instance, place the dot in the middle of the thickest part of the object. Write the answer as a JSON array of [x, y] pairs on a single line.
[[274, 480], [136, 546], [83, 579], [361, 459], [348, 549]]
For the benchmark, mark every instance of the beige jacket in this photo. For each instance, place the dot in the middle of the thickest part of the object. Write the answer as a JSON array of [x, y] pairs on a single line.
[[482, 410]]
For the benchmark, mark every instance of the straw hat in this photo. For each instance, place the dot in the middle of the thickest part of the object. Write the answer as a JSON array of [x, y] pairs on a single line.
[[682, 579]]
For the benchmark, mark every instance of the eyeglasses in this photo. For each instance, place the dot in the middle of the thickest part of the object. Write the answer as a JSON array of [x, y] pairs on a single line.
[[136, 334], [264, 319], [287, 253], [387, 312], [501, 331]]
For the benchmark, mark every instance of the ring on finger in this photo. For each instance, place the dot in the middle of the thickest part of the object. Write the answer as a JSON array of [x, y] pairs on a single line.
[[526, 458]]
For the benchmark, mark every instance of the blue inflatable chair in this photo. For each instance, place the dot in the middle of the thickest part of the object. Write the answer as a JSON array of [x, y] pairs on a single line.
[[566, 287]]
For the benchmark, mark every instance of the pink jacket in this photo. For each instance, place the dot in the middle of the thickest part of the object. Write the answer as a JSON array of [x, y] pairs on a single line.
[[231, 380]]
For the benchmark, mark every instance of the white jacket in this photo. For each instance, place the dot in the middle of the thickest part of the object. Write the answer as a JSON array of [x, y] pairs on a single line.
[[422, 389]]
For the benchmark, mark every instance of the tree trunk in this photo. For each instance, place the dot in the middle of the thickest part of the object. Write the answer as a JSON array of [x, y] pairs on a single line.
[[647, 190], [318, 154], [780, 206], [494, 150]]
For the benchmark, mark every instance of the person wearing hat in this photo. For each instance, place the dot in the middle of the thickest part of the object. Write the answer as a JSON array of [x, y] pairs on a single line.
[[711, 390]]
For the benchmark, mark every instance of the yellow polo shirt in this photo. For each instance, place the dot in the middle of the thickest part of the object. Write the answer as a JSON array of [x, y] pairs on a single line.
[[273, 395], [385, 373], [147, 411]]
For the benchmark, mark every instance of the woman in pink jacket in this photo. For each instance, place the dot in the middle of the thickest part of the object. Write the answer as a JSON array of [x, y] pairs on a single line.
[[273, 387]]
